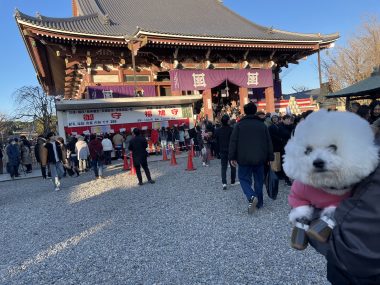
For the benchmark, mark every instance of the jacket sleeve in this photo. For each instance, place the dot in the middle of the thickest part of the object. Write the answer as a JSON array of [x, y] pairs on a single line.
[[44, 155], [145, 143], [130, 146], [232, 152], [354, 244], [217, 138], [64, 154], [270, 146]]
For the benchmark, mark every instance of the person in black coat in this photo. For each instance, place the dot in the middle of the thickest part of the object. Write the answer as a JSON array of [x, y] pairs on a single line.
[[275, 134], [251, 148], [353, 250], [223, 136], [13, 153], [354, 254], [53, 159], [286, 129], [138, 147]]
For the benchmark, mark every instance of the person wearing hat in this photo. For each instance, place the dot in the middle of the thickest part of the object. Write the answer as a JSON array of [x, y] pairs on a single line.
[[223, 136]]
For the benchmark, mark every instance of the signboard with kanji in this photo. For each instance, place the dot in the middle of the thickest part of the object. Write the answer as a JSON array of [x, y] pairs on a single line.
[[125, 115]]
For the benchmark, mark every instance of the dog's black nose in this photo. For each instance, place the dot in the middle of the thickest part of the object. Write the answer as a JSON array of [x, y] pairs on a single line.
[[319, 163]]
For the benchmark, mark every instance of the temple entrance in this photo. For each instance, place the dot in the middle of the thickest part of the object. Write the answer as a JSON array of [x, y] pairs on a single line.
[[225, 100]]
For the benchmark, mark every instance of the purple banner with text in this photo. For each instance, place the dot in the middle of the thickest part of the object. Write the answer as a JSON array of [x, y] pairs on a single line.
[[210, 78], [120, 91]]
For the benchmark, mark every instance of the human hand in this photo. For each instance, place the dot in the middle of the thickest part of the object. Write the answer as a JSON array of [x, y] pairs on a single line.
[[234, 163]]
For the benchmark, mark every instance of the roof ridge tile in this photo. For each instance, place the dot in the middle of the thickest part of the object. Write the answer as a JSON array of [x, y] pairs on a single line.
[[170, 18]]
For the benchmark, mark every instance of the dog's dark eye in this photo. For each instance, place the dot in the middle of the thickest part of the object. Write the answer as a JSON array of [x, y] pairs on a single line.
[[308, 150], [333, 147]]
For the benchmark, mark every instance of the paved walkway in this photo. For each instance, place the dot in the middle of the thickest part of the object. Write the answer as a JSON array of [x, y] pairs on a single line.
[[182, 230]]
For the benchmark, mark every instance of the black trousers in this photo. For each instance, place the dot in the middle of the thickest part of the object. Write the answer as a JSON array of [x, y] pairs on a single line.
[[107, 157], [144, 165], [224, 162], [13, 170]]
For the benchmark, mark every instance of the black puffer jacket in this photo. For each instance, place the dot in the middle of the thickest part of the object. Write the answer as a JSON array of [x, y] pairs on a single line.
[[138, 147], [277, 140], [223, 136], [354, 252], [250, 142]]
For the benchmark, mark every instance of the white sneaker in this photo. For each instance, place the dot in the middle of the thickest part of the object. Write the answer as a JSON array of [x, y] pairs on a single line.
[[236, 183], [224, 186], [204, 163], [57, 189], [252, 205]]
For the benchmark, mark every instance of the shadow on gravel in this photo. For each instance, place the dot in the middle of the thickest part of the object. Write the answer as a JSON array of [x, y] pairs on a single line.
[[53, 250], [78, 195]]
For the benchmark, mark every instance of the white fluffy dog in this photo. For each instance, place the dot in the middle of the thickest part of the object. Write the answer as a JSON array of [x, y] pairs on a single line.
[[328, 153]]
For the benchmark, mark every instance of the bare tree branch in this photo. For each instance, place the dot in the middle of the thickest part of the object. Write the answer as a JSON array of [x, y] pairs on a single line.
[[33, 103], [355, 62]]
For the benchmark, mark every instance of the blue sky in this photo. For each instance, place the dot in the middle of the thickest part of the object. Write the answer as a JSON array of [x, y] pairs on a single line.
[[322, 16]]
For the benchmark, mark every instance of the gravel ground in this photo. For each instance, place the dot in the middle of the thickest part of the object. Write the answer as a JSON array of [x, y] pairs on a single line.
[[182, 230]]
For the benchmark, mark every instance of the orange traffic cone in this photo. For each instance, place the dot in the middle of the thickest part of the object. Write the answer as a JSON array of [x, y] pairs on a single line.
[[133, 169], [192, 150], [173, 161], [164, 155], [177, 151], [126, 166], [158, 148], [150, 146], [190, 165]]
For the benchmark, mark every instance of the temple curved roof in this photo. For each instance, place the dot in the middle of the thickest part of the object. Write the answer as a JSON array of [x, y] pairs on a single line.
[[204, 19]]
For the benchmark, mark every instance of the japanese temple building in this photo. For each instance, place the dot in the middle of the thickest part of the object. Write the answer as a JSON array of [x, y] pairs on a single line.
[[183, 51]]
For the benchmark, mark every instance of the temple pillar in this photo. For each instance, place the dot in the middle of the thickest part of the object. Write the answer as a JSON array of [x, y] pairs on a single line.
[[269, 99], [90, 78], [121, 74], [207, 104], [243, 98], [176, 92]]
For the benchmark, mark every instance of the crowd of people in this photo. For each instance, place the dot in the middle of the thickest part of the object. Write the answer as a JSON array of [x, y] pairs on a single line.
[[369, 112], [249, 146], [17, 154]]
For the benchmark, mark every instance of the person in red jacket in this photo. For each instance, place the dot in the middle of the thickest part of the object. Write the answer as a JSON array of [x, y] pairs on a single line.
[[96, 154]]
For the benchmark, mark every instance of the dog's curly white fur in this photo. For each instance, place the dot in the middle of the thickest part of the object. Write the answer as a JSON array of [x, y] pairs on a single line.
[[343, 140], [331, 151], [302, 211]]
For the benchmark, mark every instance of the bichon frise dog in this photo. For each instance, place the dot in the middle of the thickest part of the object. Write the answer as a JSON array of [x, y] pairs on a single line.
[[328, 153]]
